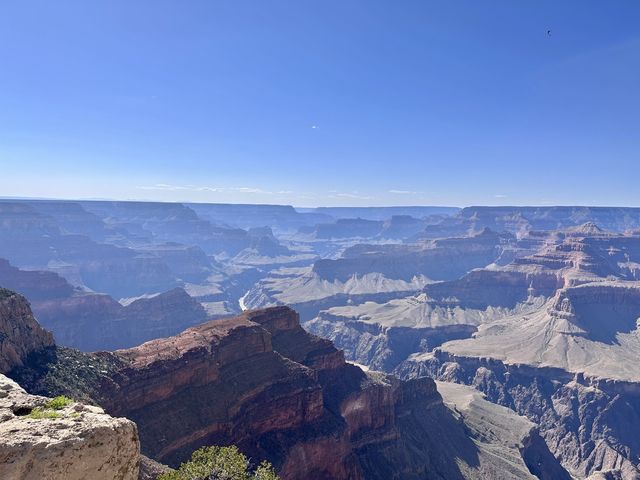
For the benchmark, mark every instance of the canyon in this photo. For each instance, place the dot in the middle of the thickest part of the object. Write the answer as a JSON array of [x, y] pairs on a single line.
[[217, 324], [262, 382]]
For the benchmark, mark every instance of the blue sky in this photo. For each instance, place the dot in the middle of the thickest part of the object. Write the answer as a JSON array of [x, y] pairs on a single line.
[[322, 102]]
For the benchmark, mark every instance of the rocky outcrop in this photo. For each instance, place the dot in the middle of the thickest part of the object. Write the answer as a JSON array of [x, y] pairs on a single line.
[[261, 382], [150, 469], [379, 346], [91, 321], [34, 284], [65, 442], [20, 334], [589, 424]]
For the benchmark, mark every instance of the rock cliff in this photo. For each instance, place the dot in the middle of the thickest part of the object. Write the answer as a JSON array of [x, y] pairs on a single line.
[[20, 333], [68, 441], [261, 382], [590, 424], [92, 321]]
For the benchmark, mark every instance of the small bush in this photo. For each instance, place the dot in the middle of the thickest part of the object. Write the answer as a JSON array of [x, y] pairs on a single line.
[[58, 403], [40, 413], [220, 463]]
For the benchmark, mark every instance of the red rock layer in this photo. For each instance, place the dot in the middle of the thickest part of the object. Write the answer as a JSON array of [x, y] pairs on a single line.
[[20, 334], [260, 381]]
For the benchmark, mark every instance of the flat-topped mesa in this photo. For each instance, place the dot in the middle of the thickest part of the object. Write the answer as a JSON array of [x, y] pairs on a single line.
[[444, 259], [20, 333], [600, 310], [588, 255], [220, 382]]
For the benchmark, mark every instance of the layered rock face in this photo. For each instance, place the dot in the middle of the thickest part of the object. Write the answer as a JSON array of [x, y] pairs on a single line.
[[170, 222], [74, 442], [524, 219], [553, 335], [20, 334], [441, 260], [261, 382], [568, 259], [90, 321], [35, 285], [380, 345], [97, 322], [590, 424], [348, 228], [375, 273], [571, 367], [32, 239]]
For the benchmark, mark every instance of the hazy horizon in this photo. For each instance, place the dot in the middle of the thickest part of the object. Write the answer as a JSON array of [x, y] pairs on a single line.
[[303, 207]]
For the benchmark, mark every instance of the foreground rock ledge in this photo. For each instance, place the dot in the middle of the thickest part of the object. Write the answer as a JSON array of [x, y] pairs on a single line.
[[81, 443]]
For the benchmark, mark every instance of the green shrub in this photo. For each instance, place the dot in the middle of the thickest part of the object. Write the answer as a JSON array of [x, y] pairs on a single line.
[[58, 403], [40, 413], [220, 463]]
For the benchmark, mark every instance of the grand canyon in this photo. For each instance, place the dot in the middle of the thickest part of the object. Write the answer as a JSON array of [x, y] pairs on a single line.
[[319, 240], [408, 343]]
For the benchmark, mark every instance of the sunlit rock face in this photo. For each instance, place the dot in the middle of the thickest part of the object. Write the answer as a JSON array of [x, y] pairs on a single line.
[[20, 333], [569, 366], [74, 442], [552, 334], [261, 382]]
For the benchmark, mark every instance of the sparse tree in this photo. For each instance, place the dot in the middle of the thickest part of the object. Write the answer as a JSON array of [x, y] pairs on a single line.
[[220, 463]]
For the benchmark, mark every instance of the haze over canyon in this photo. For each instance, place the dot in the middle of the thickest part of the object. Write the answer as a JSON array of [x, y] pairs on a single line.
[[408, 342]]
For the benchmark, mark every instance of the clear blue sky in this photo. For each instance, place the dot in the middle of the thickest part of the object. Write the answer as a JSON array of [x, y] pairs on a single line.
[[413, 101]]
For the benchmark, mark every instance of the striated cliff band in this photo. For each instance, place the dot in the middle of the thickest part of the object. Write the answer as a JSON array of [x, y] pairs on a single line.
[[260, 381]]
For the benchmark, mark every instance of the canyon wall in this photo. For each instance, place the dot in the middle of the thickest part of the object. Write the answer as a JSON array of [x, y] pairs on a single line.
[[20, 333], [260, 381]]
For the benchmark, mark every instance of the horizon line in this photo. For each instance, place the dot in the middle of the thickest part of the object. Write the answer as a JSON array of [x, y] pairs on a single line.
[[101, 199]]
